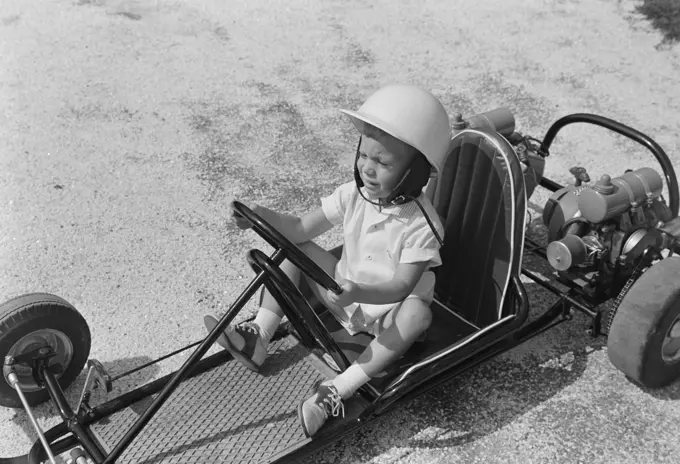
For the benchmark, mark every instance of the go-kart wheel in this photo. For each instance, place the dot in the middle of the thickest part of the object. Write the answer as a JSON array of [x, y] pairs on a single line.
[[30, 321], [293, 253], [644, 338]]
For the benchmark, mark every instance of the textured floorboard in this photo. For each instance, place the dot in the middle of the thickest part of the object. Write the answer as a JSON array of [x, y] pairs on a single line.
[[228, 414]]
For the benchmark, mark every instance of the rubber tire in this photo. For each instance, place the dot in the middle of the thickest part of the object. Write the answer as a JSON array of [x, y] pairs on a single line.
[[28, 313], [641, 323]]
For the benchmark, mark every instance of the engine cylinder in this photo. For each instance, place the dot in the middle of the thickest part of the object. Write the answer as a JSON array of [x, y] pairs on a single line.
[[611, 197]]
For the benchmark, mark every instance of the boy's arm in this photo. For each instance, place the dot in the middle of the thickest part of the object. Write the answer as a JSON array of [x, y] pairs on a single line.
[[402, 284], [296, 229]]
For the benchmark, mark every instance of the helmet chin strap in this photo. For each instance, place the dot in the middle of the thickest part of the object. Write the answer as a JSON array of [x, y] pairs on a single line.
[[381, 203]]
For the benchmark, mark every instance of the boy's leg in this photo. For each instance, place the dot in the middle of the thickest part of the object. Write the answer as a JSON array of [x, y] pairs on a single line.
[[248, 342], [400, 328], [270, 314]]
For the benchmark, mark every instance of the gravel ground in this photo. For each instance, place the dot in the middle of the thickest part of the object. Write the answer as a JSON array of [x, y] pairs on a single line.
[[127, 126]]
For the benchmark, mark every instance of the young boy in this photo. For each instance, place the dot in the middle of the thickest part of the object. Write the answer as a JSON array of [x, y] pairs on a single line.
[[389, 245]]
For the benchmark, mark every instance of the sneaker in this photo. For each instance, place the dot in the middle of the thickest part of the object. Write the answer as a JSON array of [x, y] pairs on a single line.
[[243, 342], [315, 411]]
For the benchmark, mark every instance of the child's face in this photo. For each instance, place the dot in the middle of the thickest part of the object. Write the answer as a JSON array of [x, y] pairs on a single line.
[[382, 163]]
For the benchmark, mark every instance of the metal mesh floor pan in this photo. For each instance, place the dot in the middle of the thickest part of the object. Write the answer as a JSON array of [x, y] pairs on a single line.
[[227, 414]]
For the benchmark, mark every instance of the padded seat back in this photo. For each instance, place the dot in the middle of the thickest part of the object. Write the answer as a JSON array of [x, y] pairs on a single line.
[[482, 202]]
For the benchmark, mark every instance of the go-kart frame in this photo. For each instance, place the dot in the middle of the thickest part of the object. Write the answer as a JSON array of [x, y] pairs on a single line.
[[74, 431]]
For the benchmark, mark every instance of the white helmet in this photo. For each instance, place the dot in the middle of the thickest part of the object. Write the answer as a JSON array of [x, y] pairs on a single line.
[[412, 115]]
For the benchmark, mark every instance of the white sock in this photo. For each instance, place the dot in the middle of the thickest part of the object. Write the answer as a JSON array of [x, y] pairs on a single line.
[[349, 381], [268, 321]]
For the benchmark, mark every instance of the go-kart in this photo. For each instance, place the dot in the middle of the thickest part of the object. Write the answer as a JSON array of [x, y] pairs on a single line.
[[612, 240]]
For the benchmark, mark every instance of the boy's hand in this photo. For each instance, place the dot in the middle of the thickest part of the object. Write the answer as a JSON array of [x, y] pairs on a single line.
[[240, 221], [347, 296]]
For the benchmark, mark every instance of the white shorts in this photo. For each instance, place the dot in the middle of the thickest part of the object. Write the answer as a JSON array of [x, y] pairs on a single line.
[[353, 319], [357, 320]]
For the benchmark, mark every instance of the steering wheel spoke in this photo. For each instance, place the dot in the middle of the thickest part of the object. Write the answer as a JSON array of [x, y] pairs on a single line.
[[277, 240]]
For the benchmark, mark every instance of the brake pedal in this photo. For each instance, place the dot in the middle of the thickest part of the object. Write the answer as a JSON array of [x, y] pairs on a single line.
[[97, 379]]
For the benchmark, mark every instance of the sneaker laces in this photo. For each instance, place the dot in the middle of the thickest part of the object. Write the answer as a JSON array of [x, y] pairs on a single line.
[[332, 403], [247, 328]]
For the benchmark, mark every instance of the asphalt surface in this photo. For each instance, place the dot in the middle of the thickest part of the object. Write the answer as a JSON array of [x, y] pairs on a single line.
[[128, 126]]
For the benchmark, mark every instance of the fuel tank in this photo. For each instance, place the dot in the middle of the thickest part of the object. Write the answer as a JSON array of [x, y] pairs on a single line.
[[610, 197]]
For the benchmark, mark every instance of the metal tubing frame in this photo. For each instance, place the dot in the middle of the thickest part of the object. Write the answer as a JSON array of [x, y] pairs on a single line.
[[564, 296], [629, 132], [554, 315], [13, 380], [69, 417]]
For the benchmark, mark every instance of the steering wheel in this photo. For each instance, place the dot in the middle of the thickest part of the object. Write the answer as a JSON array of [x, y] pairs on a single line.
[[293, 253]]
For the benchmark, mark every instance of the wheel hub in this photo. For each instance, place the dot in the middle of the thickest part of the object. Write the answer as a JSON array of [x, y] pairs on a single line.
[[56, 340], [670, 349]]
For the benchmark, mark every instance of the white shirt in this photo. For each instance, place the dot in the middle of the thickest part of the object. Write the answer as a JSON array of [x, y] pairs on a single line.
[[377, 239]]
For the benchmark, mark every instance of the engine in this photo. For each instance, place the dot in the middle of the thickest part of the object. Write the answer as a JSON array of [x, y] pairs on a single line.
[[598, 232]]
